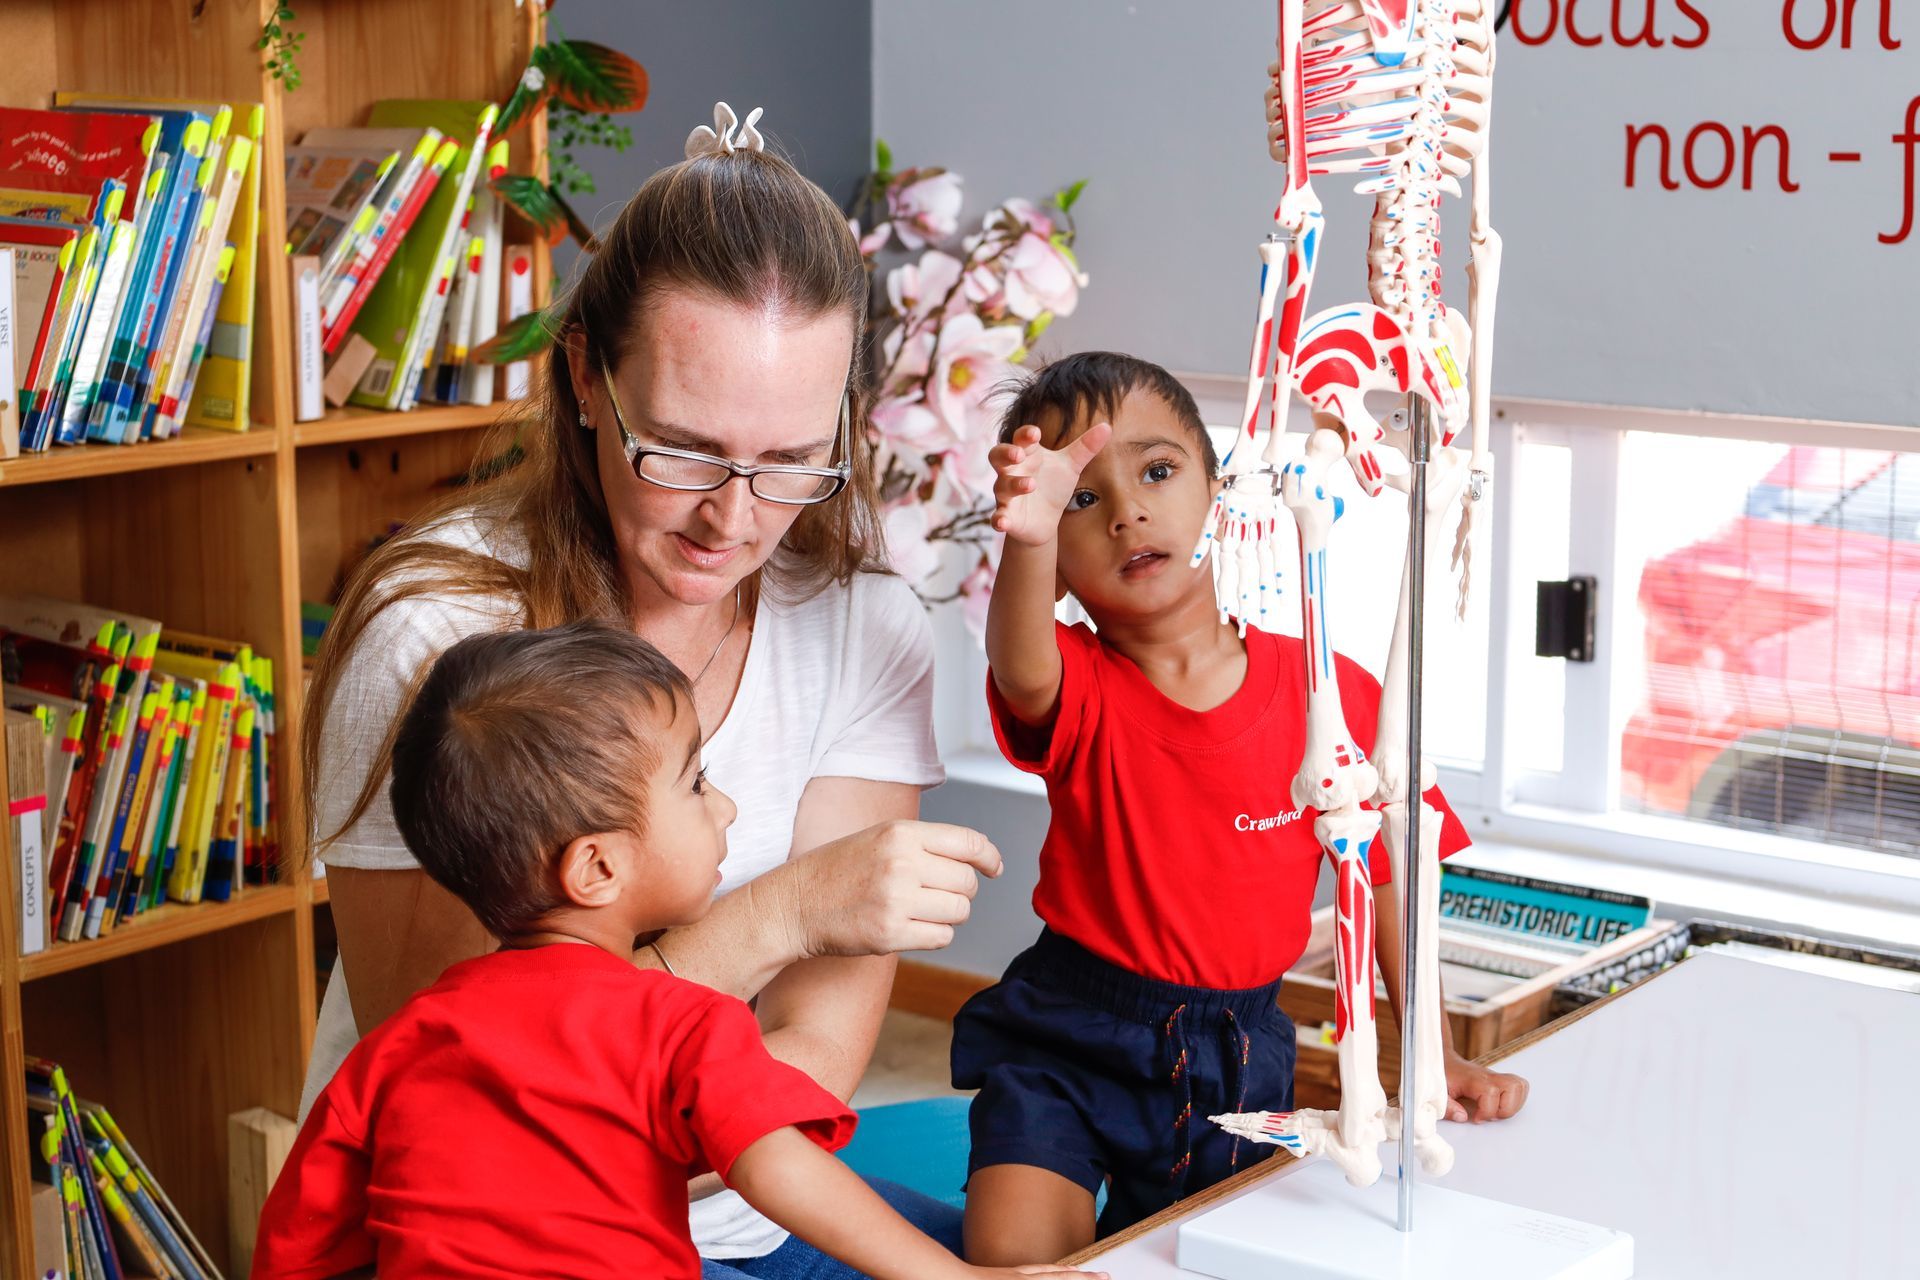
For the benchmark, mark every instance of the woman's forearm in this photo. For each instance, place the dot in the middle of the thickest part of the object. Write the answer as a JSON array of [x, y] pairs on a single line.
[[741, 944]]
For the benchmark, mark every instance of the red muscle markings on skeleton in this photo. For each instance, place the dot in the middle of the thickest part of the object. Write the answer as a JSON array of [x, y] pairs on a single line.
[[1396, 94]]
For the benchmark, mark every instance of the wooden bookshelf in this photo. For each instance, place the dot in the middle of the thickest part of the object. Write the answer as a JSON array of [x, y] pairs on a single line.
[[350, 425], [191, 1013]]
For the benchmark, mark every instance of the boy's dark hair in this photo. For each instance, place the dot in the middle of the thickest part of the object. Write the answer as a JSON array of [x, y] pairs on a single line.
[[1093, 383], [519, 743]]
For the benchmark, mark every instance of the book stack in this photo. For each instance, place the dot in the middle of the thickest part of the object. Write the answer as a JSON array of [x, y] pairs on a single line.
[[398, 225], [105, 1216], [132, 227], [157, 764]]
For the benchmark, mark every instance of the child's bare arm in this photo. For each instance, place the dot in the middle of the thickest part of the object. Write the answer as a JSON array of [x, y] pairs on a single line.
[[1032, 487], [810, 1193]]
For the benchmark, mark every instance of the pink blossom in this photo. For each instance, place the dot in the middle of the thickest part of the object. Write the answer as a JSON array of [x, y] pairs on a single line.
[[912, 431], [1040, 277], [1027, 214], [971, 362], [908, 551], [918, 287], [905, 352], [874, 241], [926, 209]]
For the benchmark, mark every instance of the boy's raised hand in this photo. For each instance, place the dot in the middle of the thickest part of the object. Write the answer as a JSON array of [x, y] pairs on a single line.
[[1032, 484]]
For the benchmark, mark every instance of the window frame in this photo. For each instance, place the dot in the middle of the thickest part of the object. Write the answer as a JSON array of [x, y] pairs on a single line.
[[1503, 802]]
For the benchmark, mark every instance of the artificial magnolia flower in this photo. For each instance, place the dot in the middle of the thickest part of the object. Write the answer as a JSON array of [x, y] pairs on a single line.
[[925, 209]]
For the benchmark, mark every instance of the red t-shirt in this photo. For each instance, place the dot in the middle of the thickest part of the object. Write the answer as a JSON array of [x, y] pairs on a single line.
[[1174, 850], [532, 1113]]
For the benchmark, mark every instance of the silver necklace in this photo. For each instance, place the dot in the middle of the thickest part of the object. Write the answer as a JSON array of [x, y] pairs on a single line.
[[724, 636]]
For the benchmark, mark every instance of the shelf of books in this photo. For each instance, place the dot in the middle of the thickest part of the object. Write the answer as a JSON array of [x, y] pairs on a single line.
[[195, 444], [238, 358]]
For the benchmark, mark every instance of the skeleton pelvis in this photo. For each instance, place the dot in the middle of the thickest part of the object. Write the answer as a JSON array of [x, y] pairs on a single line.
[[1347, 353]]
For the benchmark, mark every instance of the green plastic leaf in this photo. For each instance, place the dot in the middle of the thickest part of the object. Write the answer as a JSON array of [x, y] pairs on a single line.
[[882, 155], [1037, 326], [593, 77], [521, 339], [576, 224], [535, 201], [1067, 197], [531, 93]]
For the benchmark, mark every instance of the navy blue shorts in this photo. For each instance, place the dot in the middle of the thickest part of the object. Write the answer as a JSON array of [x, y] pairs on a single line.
[[1101, 1075]]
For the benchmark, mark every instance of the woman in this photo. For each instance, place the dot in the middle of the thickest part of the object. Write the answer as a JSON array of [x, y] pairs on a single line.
[[697, 473]]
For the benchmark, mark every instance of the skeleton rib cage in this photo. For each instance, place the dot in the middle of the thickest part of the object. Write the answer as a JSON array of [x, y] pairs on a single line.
[[1396, 93]]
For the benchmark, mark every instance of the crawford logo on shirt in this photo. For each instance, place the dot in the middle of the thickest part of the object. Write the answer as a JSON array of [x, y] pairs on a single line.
[[1247, 822]]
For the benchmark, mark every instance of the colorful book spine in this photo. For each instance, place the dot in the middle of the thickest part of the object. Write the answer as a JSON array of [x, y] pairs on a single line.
[[222, 380], [177, 349], [73, 815], [128, 811], [189, 872], [159, 805], [50, 411], [188, 251], [209, 325], [109, 710], [93, 342], [383, 253], [38, 387], [224, 856], [126, 359], [191, 764], [391, 204]]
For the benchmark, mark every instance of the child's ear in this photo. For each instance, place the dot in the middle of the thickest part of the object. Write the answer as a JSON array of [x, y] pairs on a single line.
[[591, 870]]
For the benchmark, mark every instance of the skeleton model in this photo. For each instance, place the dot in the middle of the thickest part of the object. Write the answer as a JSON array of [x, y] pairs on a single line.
[[1399, 93]]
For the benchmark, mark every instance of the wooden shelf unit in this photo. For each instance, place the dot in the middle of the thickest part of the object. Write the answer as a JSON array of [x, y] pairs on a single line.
[[192, 1013]]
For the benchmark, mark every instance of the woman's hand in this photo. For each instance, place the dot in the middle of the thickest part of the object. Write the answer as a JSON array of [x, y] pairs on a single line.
[[1476, 1093], [898, 886]]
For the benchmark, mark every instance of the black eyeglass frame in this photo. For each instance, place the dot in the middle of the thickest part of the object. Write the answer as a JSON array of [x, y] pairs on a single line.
[[636, 452]]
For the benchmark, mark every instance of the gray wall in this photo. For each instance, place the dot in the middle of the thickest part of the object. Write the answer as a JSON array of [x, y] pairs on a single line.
[[1738, 301], [810, 65]]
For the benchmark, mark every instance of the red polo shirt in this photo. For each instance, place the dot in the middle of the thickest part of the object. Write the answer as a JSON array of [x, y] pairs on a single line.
[[1174, 850]]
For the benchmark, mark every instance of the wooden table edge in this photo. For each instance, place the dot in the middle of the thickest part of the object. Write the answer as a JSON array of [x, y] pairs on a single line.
[[1279, 1165]]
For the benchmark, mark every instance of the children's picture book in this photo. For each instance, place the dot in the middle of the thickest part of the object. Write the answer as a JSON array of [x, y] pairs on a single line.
[[330, 200], [401, 315], [219, 399], [55, 164], [1545, 913], [397, 202]]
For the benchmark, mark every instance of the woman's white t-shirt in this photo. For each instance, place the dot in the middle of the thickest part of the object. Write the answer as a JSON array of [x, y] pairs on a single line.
[[837, 686]]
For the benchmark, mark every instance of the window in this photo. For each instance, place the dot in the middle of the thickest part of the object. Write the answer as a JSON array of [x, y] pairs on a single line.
[[1775, 684]]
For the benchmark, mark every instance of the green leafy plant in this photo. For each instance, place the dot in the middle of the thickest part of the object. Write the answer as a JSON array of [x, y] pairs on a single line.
[[281, 43], [580, 85]]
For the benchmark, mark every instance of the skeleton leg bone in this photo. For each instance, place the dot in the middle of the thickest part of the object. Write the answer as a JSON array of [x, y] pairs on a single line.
[[1430, 1075]]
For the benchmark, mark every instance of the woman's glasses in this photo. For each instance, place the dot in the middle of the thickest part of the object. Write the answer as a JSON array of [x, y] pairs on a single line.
[[688, 471]]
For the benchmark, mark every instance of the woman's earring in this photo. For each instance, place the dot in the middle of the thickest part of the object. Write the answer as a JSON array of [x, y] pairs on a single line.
[[583, 420]]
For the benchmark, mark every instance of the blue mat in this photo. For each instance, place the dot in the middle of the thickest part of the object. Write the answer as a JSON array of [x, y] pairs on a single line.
[[922, 1145]]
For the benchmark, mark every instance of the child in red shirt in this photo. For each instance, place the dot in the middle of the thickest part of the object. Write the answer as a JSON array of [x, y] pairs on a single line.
[[1176, 879], [539, 1110]]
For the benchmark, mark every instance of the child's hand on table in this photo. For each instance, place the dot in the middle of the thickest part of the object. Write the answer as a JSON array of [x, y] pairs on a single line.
[[1033, 484], [1477, 1094]]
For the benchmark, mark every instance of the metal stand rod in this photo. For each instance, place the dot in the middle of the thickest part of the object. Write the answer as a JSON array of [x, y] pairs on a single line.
[[1418, 424]]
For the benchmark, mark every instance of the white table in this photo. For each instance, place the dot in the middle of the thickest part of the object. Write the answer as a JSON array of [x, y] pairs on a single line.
[[1736, 1118]]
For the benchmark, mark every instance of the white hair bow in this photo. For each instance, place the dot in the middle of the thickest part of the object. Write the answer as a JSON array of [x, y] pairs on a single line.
[[723, 139]]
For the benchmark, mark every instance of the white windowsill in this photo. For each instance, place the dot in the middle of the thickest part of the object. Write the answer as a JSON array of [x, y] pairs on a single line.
[[1686, 890]]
